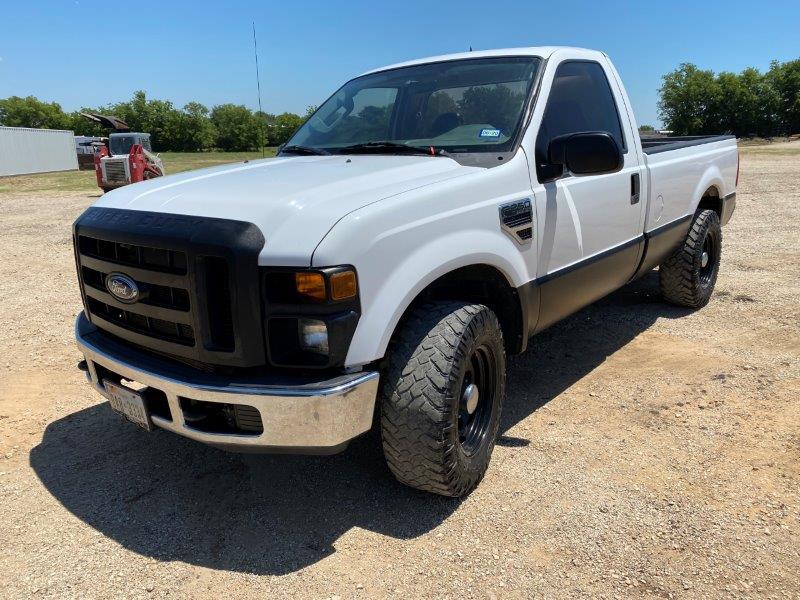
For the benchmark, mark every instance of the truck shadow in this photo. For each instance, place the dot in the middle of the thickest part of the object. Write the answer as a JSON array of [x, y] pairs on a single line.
[[165, 497], [561, 355]]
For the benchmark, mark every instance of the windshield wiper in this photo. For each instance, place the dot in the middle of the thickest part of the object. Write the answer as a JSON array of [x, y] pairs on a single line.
[[387, 147], [304, 150]]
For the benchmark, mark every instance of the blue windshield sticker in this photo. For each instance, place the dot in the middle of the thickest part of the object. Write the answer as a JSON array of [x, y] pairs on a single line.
[[489, 133]]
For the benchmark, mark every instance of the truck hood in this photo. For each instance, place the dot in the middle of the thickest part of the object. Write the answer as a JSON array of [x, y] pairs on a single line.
[[295, 201]]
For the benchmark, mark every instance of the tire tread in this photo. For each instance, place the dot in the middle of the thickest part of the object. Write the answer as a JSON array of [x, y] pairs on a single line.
[[678, 275], [415, 402]]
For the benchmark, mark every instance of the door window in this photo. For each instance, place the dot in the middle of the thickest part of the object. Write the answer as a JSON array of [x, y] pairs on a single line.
[[580, 100]]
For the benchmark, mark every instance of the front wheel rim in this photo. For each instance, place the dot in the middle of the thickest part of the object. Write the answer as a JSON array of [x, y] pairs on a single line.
[[477, 399]]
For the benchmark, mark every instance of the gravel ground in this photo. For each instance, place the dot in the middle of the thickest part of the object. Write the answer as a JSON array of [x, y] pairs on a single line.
[[645, 451]]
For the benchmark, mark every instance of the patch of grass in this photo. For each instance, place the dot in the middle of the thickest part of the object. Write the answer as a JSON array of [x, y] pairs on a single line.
[[65, 181], [177, 162], [84, 181], [771, 151], [757, 141]]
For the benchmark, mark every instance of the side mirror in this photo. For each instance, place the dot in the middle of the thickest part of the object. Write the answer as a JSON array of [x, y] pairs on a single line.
[[587, 153]]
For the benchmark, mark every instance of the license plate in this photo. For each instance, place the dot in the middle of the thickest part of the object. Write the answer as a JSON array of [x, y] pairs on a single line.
[[129, 404]]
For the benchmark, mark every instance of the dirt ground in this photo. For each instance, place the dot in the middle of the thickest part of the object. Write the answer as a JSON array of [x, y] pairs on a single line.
[[646, 451]]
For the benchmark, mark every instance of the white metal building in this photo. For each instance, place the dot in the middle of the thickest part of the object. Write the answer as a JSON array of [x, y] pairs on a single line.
[[24, 150]]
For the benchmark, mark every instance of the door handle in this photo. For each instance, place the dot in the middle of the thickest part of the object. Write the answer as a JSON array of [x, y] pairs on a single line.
[[635, 188]]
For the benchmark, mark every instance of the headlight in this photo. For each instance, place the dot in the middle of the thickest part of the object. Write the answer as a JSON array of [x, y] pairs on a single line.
[[310, 315]]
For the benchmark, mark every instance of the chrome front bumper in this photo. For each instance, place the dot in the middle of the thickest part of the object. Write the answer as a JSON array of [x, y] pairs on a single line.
[[317, 417]]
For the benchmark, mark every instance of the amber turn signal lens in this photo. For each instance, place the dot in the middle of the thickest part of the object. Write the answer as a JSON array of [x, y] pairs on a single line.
[[310, 285], [343, 285]]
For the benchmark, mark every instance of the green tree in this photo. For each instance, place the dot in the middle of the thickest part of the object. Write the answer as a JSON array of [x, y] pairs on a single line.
[[32, 112], [263, 120], [282, 126], [646, 129], [237, 127], [159, 118], [760, 107], [687, 97], [192, 129], [748, 103], [735, 107], [784, 81], [83, 126]]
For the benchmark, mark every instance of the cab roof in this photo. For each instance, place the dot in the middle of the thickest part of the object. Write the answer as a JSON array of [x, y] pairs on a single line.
[[540, 51]]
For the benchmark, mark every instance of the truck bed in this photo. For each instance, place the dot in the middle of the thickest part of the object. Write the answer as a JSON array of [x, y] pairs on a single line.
[[656, 144]]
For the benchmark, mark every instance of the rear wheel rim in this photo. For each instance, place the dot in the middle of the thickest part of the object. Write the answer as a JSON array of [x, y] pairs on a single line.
[[708, 259], [477, 399]]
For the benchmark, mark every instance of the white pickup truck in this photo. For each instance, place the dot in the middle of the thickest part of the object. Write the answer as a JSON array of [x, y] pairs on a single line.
[[425, 222]]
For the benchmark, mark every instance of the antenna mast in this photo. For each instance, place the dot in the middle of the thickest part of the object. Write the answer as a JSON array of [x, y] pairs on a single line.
[[258, 83]]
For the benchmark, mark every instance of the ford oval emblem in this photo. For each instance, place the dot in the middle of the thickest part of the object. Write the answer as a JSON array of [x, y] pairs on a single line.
[[122, 287]]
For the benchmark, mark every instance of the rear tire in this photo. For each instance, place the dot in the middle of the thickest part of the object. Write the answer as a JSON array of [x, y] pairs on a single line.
[[442, 395], [687, 277]]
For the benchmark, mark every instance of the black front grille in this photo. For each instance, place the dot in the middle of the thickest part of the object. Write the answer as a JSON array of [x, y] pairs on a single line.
[[219, 303], [157, 259], [162, 311], [198, 281], [156, 295], [179, 333]]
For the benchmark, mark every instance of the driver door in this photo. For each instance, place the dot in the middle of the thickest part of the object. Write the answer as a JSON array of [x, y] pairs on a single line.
[[588, 226]]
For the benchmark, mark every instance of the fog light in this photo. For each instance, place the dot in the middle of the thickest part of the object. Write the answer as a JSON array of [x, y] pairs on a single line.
[[313, 335]]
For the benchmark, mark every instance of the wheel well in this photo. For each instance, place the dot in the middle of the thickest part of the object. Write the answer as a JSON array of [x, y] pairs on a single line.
[[482, 284], [711, 201]]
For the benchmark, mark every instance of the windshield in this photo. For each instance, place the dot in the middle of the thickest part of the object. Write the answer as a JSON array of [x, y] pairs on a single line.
[[473, 105], [121, 143]]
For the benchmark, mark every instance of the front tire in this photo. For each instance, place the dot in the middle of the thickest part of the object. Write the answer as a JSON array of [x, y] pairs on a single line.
[[687, 277], [442, 396]]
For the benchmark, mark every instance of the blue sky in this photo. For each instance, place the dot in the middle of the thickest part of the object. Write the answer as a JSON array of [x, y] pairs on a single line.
[[69, 52]]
